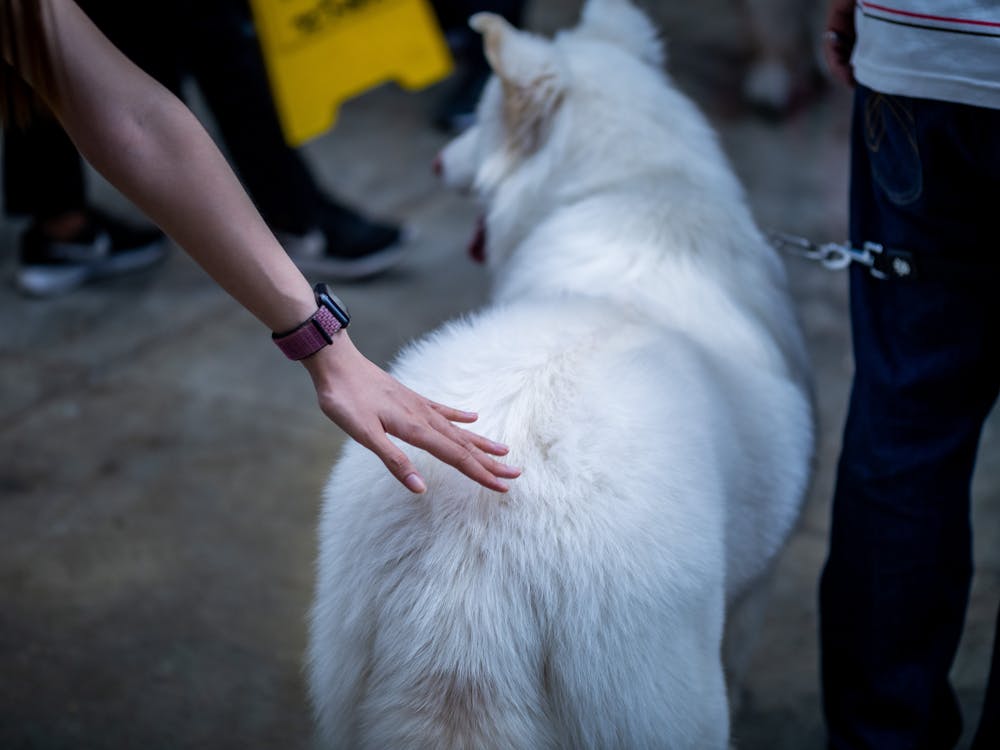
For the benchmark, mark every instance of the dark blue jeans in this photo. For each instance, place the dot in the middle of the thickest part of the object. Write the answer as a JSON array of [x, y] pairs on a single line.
[[925, 178]]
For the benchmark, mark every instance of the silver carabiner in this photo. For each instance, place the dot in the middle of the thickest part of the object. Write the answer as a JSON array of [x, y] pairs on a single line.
[[796, 245], [835, 256]]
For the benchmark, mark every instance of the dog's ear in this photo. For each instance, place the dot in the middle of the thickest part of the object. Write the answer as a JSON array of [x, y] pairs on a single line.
[[621, 22], [532, 77]]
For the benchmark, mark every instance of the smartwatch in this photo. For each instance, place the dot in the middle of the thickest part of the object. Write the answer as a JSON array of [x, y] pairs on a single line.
[[318, 330]]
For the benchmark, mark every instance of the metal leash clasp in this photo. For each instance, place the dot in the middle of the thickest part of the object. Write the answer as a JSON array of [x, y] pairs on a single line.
[[833, 255]]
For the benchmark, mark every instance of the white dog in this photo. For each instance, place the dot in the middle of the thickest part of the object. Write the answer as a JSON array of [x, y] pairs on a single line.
[[642, 360]]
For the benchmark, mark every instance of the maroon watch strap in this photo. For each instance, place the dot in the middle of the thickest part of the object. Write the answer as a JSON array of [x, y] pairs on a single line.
[[309, 337]]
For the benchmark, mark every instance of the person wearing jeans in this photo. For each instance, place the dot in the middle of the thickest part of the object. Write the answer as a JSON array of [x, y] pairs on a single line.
[[925, 176]]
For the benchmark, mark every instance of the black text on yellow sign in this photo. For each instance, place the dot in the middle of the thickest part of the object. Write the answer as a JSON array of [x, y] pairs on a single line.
[[319, 53]]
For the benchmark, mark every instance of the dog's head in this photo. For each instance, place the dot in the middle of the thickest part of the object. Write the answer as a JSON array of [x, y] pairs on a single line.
[[542, 109]]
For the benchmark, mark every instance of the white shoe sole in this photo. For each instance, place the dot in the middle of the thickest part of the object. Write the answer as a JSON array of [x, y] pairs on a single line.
[[301, 251], [48, 281]]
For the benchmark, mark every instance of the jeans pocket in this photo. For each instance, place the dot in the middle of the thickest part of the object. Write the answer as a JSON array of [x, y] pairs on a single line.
[[890, 135]]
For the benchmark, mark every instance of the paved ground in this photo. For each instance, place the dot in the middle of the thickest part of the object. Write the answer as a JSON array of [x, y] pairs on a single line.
[[160, 463]]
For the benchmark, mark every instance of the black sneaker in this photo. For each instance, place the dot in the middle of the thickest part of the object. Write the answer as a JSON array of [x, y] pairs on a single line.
[[345, 245], [106, 247]]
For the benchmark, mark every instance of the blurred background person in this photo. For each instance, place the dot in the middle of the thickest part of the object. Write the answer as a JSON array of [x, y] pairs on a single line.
[[784, 71], [457, 109], [68, 241]]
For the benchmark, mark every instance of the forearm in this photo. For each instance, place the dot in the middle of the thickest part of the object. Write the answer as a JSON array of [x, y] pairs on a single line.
[[176, 175]]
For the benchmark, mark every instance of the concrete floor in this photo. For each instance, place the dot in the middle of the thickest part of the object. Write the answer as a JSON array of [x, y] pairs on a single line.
[[160, 462]]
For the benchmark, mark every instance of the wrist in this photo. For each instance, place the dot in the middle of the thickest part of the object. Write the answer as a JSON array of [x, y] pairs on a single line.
[[328, 364], [318, 330]]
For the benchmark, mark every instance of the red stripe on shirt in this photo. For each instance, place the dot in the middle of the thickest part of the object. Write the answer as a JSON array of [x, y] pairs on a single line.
[[928, 17]]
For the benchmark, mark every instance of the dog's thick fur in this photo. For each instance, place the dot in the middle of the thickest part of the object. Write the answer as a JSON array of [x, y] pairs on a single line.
[[642, 360]]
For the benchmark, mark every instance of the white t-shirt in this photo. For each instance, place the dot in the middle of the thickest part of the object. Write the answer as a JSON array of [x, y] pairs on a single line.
[[932, 49]]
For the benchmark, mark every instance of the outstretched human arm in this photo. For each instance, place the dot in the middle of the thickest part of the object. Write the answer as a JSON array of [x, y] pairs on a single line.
[[150, 146]]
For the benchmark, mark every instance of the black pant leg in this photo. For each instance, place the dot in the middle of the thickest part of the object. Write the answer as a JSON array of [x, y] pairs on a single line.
[[225, 58], [150, 33], [42, 171], [895, 586]]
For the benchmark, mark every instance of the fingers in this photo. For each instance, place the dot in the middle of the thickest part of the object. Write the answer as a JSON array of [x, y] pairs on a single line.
[[369, 404], [838, 40], [453, 415], [398, 464], [473, 463], [837, 51], [466, 451], [456, 415], [479, 447], [482, 443]]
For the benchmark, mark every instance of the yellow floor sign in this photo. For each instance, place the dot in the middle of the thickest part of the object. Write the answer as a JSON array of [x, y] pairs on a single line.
[[319, 53]]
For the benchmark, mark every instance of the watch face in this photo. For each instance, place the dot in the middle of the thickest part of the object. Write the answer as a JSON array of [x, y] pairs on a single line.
[[332, 302]]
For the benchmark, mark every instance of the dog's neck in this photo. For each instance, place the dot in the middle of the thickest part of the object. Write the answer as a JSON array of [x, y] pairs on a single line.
[[629, 252]]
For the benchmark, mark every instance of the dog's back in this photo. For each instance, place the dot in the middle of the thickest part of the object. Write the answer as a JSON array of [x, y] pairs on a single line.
[[663, 423]]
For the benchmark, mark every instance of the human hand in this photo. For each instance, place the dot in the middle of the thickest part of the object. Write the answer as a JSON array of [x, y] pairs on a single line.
[[838, 40], [369, 404]]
